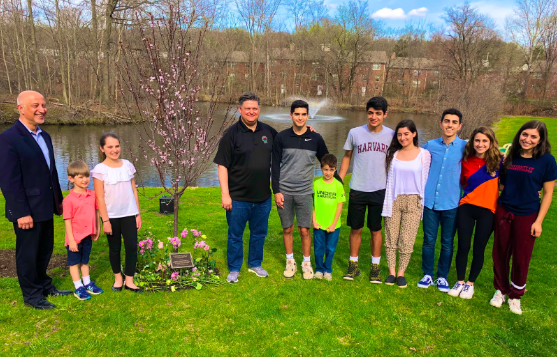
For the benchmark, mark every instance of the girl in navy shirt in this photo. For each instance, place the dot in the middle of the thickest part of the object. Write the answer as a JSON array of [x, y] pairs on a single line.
[[528, 169]]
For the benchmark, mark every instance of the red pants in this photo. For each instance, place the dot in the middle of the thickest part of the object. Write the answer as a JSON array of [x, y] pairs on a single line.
[[512, 239]]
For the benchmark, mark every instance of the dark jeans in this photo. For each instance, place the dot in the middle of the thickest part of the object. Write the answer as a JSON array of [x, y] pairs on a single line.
[[33, 249], [468, 217], [324, 245], [257, 214], [432, 220], [512, 239], [123, 227]]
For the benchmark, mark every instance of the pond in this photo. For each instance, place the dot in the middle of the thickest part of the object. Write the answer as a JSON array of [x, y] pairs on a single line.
[[80, 142]]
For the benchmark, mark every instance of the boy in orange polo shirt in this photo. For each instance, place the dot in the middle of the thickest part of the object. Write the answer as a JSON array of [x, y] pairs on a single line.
[[82, 220]]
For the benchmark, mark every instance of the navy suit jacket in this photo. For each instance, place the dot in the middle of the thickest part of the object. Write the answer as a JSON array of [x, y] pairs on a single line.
[[28, 185]]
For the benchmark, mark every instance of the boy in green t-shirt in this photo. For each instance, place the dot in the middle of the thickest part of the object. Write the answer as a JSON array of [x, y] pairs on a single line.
[[327, 206]]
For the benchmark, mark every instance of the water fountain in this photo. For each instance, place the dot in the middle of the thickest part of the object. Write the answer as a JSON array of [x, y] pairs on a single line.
[[314, 107]]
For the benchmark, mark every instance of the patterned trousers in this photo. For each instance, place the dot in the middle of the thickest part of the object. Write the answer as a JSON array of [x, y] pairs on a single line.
[[401, 229]]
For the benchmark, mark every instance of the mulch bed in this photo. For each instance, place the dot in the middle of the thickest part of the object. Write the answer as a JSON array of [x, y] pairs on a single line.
[[7, 263]]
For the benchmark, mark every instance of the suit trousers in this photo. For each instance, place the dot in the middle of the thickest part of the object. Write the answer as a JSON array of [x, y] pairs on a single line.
[[33, 249]]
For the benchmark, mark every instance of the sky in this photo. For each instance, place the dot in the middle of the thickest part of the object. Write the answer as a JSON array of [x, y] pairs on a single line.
[[396, 13]]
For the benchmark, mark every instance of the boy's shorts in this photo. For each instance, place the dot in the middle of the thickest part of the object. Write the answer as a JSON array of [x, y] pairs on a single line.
[[358, 201], [83, 253], [299, 205]]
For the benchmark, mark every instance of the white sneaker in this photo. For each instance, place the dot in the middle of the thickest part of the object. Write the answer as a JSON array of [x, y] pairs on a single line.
[[467, 291], [307, 270], [328, 276], [514, 306], [318, 275], [457, 288], [498, 299], [290, 269]]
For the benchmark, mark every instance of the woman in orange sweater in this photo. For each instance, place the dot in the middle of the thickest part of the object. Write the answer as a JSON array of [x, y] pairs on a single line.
[[479, 178]]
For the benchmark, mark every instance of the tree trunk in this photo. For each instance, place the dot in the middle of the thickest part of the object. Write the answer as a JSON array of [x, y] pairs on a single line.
[[108, 20], [61, 53], [35, 47], [4, 57]]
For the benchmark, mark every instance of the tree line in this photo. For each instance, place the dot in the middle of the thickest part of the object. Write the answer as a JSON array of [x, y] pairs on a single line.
[[71, 50]]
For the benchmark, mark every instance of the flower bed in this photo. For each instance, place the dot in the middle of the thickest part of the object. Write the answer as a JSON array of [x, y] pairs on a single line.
[[153, 263]]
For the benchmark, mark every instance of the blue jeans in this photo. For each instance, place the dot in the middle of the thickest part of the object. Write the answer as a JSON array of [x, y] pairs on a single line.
[[324, 244], [432, 219], [257, 214]]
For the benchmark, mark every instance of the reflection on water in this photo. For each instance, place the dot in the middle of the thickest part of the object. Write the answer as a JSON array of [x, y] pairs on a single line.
[[81, 142]]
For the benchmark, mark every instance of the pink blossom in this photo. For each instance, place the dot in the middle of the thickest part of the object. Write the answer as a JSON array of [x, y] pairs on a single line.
[[207, 248], [184, 233], [161, 245], [174, 276], [196, 233], [193, 269]]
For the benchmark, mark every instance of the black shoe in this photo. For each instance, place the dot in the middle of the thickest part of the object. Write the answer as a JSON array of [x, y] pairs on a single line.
[[391, 280], [138, 290], [353, 271], [401, 282], [114, 288], [41, 305], [56, 292]]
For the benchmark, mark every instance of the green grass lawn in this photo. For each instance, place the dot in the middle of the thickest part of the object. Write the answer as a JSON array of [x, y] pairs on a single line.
[[278, 317]]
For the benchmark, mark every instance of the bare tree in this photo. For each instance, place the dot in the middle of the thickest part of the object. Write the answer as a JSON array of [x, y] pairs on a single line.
[[257, 17], [466, 44], [528, 26]]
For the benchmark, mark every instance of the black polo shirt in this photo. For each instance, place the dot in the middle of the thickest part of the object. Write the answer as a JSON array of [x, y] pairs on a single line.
[[247, 156]]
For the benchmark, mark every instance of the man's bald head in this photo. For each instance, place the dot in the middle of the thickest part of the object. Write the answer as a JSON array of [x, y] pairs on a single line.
[[32, 108], [27, 95]]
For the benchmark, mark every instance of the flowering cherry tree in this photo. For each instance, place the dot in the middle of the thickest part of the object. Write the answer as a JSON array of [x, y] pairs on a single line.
[[180, 135]]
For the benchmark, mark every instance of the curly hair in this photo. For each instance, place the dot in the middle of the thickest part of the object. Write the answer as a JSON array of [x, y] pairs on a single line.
[[492, 155]]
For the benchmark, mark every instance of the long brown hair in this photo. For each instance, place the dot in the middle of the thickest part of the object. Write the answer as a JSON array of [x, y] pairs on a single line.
[[395, 144], [543, 147], [102, 141], [492, 155]]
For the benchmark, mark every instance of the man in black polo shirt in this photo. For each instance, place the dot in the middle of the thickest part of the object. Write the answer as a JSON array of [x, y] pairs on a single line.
[[244, 162]]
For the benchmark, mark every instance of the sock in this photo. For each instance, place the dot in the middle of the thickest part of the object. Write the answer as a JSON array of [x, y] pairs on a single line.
[[354, 259], [77, 284], [375, 260], [86, 280], [290, 256], [307, 259]]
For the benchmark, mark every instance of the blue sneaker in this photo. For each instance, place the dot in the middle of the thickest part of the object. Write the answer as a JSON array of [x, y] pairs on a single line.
[[425, 282], [233, 277], [442, 285], [81, 293], [262, 273], [93, 289]]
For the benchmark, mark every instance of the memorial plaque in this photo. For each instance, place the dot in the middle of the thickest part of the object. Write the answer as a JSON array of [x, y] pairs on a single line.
[[181, 260]]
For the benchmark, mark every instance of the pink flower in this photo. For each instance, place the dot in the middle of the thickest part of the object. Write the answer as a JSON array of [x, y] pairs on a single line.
[[194, 269], [174, 276], [207, 248], [196, 233], [184, 233], [161, 245]]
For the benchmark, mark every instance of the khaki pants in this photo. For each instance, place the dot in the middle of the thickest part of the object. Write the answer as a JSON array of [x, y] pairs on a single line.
[[401, 229]]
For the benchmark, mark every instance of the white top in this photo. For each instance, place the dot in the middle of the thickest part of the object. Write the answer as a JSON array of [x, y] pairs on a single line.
[[118, 191], [369, 151], [407, 176], [414, 179]]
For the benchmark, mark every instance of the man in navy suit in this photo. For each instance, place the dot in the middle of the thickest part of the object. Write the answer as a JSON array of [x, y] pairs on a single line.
[[29, 183]]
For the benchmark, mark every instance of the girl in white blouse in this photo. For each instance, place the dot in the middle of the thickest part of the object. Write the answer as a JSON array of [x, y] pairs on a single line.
[[407, 171], [119, 207]]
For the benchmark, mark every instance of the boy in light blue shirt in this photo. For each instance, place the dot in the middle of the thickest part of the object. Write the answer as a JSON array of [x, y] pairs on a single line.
[[442, 195]]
